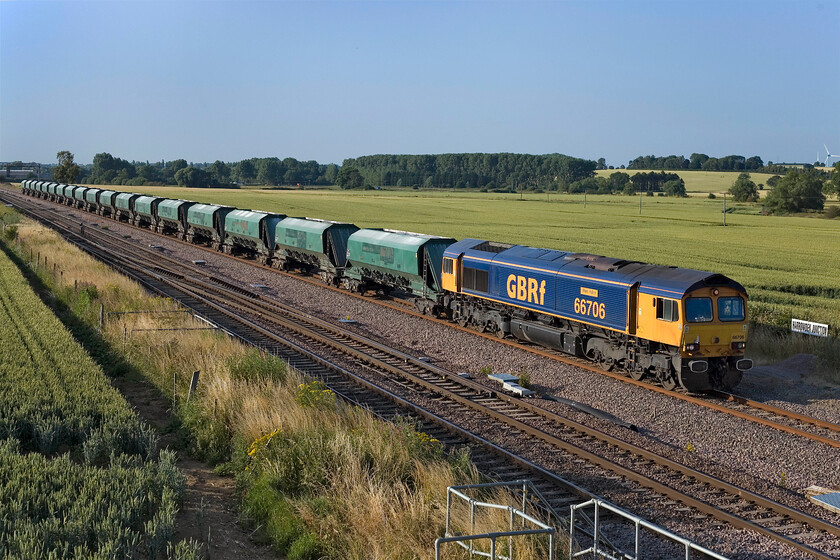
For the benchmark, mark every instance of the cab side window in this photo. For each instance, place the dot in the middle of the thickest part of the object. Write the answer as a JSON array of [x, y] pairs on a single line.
[[448, 266], [667, 309]]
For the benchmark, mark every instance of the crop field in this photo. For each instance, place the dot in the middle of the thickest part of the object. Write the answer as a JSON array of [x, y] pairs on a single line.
[[78, 475], [787, 264], [700, 182]]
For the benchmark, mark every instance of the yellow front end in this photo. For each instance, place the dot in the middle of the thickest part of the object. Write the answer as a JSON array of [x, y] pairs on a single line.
[[715, 324]]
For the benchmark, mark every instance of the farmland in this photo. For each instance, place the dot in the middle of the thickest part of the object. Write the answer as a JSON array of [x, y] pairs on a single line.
[[782, 261], [78, 471], [700, 182]]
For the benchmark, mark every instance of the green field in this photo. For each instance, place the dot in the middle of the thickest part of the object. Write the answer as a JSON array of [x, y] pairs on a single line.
[[788, 264]]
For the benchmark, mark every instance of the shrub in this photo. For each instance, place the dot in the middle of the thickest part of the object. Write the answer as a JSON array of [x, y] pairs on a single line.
[[832, 212], [712, 196]]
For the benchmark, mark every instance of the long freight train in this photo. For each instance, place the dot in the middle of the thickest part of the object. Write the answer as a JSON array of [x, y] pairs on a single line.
[[680, 327]]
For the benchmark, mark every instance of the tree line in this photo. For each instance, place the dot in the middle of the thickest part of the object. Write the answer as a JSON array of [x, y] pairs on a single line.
[[473, 170], [698, 162], [109, 170]]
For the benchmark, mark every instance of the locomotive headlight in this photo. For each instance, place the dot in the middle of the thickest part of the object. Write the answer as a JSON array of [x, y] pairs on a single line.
[[693, 347], [739, 345]]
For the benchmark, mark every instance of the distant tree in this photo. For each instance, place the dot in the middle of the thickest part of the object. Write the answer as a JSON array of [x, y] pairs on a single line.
[[832, 187], [66, 171], [696, 161], [798, 190], [245, 171], [602, 163], [331, 173], [754, 163], [270, 172], [619, 180], [192, 177], [743, 189], [773, 181], [674, 187], [219, 173], [148, 173], [349, 178]]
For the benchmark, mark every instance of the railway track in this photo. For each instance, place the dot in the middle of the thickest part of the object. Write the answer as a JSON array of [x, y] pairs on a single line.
[[706, 496], [778, 418]]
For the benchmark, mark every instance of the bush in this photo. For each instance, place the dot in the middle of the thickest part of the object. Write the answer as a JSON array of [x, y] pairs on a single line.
[[832, 212], [10, 233], [712, 196]]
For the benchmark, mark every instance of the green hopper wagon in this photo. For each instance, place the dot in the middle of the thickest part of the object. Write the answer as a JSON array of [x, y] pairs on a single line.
[[145, 211], [107, 200], [124, 205], [172, 216], [385, 259], [92, 199], [313, 245], [206, 224], [251, 232]]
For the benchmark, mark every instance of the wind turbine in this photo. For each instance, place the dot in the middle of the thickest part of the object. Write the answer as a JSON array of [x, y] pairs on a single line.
[[828, 155]]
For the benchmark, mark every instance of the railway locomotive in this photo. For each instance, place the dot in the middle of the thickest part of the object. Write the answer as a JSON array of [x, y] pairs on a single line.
[[675, 326]]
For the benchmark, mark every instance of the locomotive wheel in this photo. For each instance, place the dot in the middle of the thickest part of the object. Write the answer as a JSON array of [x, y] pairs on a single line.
[[669, 381], [462, 321], [500, 333], [637, 374], [603, 361]]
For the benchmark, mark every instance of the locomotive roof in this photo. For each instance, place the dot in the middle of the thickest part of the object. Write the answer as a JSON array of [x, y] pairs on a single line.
[[666, 281]]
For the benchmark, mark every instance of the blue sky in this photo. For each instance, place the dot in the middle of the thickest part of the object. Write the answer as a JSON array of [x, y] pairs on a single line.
[[318, 80]]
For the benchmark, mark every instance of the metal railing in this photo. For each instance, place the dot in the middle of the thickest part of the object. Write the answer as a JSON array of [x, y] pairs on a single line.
[[467, 542], [599, 551]]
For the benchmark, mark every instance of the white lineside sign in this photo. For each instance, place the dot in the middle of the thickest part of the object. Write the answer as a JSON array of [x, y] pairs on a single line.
[[807, 327]]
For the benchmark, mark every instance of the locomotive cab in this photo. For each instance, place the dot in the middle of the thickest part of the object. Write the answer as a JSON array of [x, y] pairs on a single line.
[[715, 334]]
